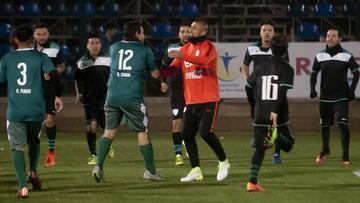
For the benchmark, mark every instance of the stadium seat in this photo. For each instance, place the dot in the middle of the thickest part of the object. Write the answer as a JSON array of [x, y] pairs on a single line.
[[159, 50], [65, 51], [111, 9], [189, 9], [163, 10], [88, 10], [350, 8], [295, 9], [56, 9], [308, 31], [4, 48], [6, 9], [5, 30], [324, 9], [29, 9], [162, 30], [88, 29]]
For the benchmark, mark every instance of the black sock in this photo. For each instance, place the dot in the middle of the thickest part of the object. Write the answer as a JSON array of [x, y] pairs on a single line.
[[51, 135], [325, 135], [192, 149], [256, 163], [345, 140], [91, 140], [215, 145], [177, 139]]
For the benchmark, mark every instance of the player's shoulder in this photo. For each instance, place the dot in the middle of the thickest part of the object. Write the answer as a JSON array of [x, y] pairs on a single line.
[[54, 45]]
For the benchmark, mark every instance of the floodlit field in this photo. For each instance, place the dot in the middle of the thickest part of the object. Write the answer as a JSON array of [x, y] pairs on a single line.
[[298, 179]]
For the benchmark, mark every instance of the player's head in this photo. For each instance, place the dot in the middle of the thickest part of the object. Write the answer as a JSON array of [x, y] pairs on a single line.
[[333, 37], [41, 34], [23, 34], [199, 28], [279, 45], [93, 44], [111, 29], [134, 31], [184, 31], [267, 32]]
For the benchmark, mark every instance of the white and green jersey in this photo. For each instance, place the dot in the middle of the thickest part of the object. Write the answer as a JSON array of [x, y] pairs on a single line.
[[22, 70], [129, 60]]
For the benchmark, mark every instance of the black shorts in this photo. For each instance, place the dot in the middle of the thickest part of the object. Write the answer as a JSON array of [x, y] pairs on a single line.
[[49, 99], [327, 111], [200, 117], [94, 114], [177, 106]]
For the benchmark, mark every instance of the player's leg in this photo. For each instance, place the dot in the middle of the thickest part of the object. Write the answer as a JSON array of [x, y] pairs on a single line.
[[326, 120], [101, 123], [342, 112], [50, 127], [91, 129], [206, 128], [34, 132]]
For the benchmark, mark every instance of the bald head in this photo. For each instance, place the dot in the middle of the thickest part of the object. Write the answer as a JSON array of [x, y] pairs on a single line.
[[199, 28]]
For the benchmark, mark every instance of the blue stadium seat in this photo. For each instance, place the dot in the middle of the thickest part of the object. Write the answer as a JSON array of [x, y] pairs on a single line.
[[163, 10], [29, 9], [308, 31], [324, 9], [88, 10], [5, 30], [162, 30], [88, 30], [5, 48], [56, 9], [65, 51], [295, 9], [159, 50], [69, 72], [188, 9], [112, 9], [6, 9], [350, 8]]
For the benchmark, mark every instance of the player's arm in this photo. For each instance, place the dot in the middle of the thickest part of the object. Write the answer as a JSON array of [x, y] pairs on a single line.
[[354, 67], [313, 78], [79, 85], [244, 68], [60, 63], [165, 62], [204, 60], [150, 63]]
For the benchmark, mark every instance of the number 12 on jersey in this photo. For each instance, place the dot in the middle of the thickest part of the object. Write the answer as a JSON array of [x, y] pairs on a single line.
[[124, 57], [269, 90]]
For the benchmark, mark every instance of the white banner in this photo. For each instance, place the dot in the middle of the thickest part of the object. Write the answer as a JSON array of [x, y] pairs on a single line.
[[231, 55]]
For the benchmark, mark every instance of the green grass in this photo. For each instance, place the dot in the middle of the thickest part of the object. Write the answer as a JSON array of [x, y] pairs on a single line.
[[298, 179]]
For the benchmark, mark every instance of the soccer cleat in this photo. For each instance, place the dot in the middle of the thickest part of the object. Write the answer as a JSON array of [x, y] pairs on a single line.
[[251, 187], [23, 193], [92, 160], [50, 160], [270, 137], [35, 181], [111, 152], [345, 163], [152, 177], [194, 175], [276, 158], [223, 170], [179, 160], [320, 159], [98, 174]]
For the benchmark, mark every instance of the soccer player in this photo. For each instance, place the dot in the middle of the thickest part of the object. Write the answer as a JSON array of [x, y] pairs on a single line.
[[335, 92], [22, 71], [129, 58], [260, 53], [177, 92], [270, 87], [91, 77], [198, 60], [42, 44], [108, 38]]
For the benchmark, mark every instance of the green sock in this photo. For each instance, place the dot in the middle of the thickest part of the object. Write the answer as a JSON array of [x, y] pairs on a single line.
[[104, 147], [34, 153], [254, 171], [18, 158], [148, 154]]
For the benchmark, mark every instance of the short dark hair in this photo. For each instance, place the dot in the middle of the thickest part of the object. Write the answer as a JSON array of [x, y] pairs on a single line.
[[268, 23], [279, 45], [340, 34], [23, 33], [110, 26], [185, 23], [40, 26], [93, 35], [130, 30]]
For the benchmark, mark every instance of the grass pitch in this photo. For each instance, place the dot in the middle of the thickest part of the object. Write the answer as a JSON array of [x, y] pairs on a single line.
[[297, 179]]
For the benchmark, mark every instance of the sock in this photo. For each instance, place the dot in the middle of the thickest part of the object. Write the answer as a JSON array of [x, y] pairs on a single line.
[[34, 153], [215, 145], [148, 154], [345, 140], [254, 171], [104, 147], [51, 135], [91, 140], [18, 158], [177, 139], [325, 135], [259, 153], [277, 148]]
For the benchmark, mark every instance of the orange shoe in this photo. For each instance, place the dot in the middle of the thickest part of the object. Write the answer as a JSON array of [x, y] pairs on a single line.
[[50, 161], [320, 159], [251, 187], [345, 163], [35, 181], [23, 193]]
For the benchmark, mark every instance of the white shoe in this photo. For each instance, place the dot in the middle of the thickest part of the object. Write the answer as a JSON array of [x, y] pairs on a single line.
[[223, 170], [152, 177], [194, 175]]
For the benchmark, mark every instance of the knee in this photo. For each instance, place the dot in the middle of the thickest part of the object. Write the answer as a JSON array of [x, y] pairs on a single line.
[[92, 128], [50, 121]]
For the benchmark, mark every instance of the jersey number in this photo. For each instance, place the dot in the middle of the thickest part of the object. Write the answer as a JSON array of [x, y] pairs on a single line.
[[23, 68], [123, 60], [269, 90]]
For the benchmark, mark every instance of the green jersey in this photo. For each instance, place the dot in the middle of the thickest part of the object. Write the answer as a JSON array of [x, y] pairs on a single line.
[[129, 59], [22, 70]]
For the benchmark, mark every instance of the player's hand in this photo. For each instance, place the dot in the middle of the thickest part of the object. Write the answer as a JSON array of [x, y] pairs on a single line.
[[351, 95], [175, 54], [46, 76], [273, 118], [313, 94], [59, 104], [164, 87]]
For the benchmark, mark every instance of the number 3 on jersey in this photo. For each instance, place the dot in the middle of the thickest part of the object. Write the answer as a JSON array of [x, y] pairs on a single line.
[[124, 57], [269, 90], [23, 68]]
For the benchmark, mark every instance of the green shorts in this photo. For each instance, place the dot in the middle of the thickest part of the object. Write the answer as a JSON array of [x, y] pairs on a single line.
[[22, 132], [135, 116]]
